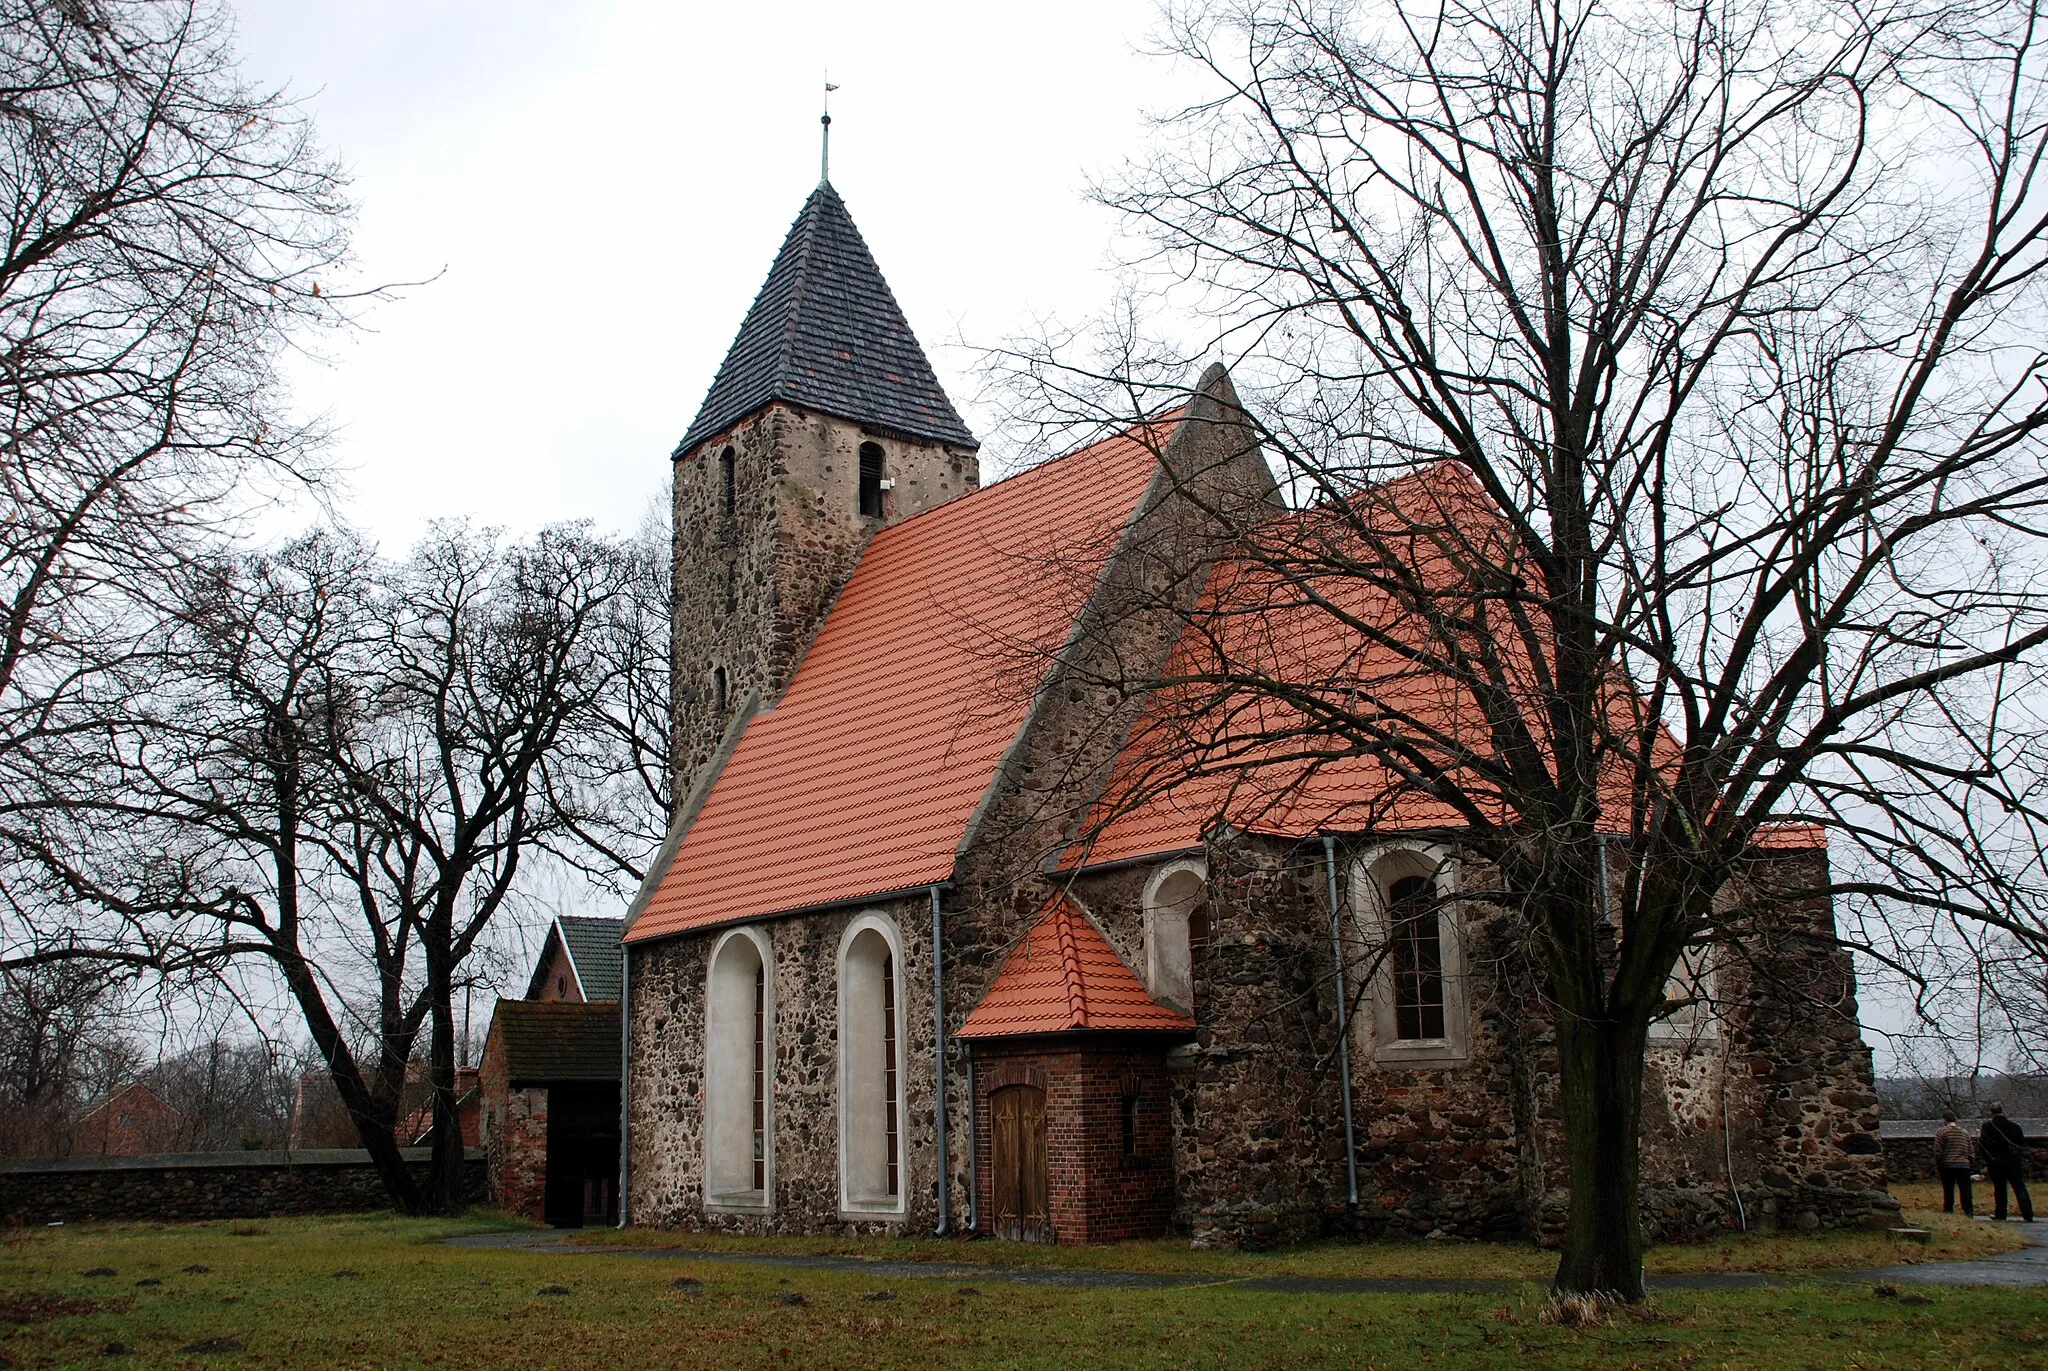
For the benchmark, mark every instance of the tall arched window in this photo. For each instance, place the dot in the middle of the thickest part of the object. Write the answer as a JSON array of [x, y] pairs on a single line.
[[1176, 928], [870, 1068], [871, 479], [1409, 937], [739, 1058], [719, 690], [728, 483], [1416, 932]]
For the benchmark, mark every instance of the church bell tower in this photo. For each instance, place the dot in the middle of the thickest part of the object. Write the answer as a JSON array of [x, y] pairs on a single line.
[[825, 423]]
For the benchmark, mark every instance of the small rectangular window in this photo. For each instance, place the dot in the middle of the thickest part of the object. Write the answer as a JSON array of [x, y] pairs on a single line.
[[1130, 1119]]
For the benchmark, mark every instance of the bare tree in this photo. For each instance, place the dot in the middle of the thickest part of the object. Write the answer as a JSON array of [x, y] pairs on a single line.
[[489, 681], [612, 786], [1659, 395], [331, 771], [165, 231], [59, 1047]]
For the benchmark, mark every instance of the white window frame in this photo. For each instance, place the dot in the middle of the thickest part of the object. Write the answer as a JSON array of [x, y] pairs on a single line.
[[1699, 1021], [750, 1200], [1155, 971], [1373, 871], [853, 1206]]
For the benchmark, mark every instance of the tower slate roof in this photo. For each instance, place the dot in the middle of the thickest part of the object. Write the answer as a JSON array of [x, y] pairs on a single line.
[[825, 333]]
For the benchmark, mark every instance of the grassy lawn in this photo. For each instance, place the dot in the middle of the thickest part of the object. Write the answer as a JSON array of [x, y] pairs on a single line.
[[1954, 1238], [383, 1292]]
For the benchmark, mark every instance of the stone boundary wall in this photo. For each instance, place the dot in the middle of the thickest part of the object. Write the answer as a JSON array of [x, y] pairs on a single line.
[[188, 1186], [1909, 1148]]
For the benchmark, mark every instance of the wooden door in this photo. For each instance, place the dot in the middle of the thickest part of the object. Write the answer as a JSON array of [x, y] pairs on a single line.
[[1018, 1116]]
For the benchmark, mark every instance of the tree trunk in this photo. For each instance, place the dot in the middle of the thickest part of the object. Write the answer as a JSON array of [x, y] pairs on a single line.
[[380, 1140], [376, 1127], [1600, 1063], [444, 1185]]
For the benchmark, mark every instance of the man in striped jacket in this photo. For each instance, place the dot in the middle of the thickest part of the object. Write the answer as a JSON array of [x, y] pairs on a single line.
[[1954, 1153]]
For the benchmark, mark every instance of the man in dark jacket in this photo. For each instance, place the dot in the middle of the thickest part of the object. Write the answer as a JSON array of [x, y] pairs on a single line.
[[2005, 1159]]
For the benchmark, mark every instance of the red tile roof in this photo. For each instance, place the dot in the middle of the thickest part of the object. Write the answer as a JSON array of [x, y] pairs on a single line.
[[1065, 977], [863, 778], [1212, 754]]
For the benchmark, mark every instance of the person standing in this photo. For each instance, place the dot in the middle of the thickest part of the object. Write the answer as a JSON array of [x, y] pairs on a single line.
[[1954, 1153], [2005, 1158]]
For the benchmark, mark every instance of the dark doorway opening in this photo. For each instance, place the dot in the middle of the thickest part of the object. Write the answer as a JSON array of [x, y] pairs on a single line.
[[583, 1155]]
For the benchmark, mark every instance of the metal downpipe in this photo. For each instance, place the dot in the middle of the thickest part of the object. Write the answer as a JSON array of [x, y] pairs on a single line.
[[939, 1062], [973, 1154], [1343, 1024], [625, 1077]]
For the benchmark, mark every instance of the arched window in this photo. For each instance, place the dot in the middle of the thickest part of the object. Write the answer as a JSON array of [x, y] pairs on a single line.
[[1416, 932], [1409, 938], [870, 1069], [728, 483], [718, 690], [1176, 928], [871, 479], [739, 1097]]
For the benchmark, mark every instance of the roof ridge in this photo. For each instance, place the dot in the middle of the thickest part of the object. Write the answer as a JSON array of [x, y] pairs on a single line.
[[785, 349], [1070, 963]]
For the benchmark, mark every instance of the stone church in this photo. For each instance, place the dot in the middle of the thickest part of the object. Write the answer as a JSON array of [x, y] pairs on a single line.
[[873, 983]]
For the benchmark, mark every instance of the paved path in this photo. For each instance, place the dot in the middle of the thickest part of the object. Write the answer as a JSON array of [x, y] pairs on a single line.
[[2026, 1267]]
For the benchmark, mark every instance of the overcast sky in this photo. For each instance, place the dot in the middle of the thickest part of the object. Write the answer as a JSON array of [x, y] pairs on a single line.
[[599, 188], [602, 186]]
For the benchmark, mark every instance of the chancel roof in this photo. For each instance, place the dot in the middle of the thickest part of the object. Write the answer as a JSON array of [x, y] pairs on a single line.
[[1064, 977], [825, 333]]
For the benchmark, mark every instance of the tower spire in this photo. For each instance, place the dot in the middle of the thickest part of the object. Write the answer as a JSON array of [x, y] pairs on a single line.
[[825, 138]]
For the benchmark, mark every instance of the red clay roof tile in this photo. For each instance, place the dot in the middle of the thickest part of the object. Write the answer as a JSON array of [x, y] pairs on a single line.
[[1065, 977], [1213, 755], [864, 776]]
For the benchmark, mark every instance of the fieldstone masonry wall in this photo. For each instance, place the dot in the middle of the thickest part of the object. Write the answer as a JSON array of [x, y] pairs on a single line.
[[666, 1169], [194, 1187], [751, 588]]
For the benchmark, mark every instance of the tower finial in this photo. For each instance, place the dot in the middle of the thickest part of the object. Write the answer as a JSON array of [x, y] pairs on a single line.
[[825, 135]]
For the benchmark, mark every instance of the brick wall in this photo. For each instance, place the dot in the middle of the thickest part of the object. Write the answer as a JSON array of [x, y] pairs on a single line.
[[198, 1186], [1095, 1190], [515, 1136]]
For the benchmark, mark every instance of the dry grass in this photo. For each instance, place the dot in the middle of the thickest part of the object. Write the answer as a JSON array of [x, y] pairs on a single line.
[[277, 1300], [1954, 1239]]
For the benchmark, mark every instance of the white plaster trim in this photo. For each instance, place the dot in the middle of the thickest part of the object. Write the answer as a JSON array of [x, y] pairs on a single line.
[[1149, 903], [748, 1201], [851, 1206], [1369, 876], [1698, 1022]]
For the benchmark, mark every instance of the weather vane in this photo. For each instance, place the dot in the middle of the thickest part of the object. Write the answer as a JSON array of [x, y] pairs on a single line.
[[825, 134]]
